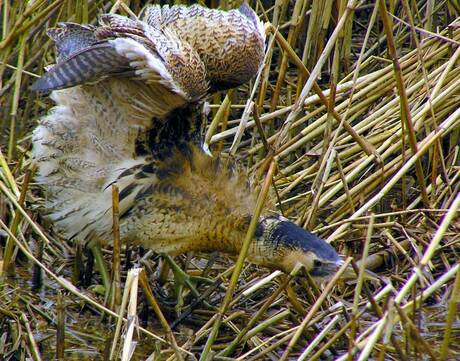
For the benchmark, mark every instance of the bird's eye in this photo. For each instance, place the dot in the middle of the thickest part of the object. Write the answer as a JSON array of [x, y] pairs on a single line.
[[317, 263]]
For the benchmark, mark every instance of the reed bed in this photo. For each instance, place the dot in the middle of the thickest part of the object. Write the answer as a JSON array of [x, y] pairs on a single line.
[[352, 126]]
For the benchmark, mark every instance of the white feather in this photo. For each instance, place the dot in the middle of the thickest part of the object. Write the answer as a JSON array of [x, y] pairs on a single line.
[[147, 65], [81, 147]]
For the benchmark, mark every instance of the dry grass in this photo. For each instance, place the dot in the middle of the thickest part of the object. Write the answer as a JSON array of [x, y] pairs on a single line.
[[365, 151]]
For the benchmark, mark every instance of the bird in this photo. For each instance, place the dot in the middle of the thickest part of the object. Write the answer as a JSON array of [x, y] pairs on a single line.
[[127, 93]]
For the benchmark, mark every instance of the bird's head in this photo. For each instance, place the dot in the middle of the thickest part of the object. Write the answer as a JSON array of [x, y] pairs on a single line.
[[281, 244]]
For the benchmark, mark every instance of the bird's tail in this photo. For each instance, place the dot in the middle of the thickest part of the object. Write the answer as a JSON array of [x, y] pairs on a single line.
[[82, 146]]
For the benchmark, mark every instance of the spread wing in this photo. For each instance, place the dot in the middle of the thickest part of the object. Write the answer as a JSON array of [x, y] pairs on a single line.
[[121, 47]]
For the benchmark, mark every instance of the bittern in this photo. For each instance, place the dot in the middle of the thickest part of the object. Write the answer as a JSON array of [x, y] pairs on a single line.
[[126, 93]]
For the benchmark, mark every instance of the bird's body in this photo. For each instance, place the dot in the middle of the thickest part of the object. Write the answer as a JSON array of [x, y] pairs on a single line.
[[136, 127]]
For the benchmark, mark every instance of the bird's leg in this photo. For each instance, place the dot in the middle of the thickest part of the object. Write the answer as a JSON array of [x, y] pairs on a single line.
[[181, 278]]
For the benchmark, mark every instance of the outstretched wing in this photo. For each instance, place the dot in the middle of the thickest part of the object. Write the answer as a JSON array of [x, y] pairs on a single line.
[[130, 49]]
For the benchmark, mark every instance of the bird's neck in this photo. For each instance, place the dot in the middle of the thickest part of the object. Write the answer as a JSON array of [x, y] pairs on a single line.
[[227, 235]]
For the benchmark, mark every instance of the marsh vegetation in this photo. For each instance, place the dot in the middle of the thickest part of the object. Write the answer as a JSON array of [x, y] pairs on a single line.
[[352, 126]]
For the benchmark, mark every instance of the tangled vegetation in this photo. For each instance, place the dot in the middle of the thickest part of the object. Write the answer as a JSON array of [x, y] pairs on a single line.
[[354, 124]]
